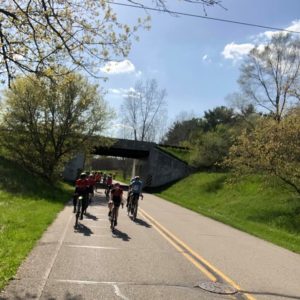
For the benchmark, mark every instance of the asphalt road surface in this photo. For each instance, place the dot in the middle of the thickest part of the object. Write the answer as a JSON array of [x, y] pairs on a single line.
[[168, 253]]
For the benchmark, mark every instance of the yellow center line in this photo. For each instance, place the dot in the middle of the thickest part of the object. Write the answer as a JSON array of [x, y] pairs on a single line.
[[171, 238], [201, 268]]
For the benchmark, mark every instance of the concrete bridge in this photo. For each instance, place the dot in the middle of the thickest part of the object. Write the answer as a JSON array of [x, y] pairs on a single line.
[[154, 165]]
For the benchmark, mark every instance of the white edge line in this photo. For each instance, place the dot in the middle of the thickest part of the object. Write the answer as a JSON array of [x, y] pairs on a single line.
[[48, 271]]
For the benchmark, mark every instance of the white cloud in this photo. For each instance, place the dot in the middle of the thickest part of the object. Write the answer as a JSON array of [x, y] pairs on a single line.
[[138, 73], [294, 27], [236, 51], [115, 67], [206, 58], [122, 92]]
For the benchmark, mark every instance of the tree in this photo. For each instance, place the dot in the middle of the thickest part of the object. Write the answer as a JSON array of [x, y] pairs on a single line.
[[143, 110], [219, 115], [46, 122], [36, 35], [272, 148], [211, 147], [270, 75], [182, 131]]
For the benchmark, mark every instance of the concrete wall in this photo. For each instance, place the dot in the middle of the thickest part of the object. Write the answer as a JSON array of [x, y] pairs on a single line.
[[157, 169], [162, 168]]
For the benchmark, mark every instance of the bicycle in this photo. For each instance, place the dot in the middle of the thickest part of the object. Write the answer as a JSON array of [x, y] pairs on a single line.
[[107, 190], [129, 201], [113, 218], [78, 210], [134, 205]]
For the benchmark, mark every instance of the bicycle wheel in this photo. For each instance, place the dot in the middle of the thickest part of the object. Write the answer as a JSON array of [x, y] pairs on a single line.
[[129, 207], [78, 211], [135, 210], [132, 205], [113, 218]]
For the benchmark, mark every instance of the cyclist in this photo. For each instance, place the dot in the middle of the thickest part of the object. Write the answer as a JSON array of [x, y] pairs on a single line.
[[129, 194], [116, 200], [104, 178], [109, 183], [135, 189], [81, 189], [92, 183]]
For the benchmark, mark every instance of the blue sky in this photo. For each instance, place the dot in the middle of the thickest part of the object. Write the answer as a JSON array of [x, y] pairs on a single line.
[[196, 60]]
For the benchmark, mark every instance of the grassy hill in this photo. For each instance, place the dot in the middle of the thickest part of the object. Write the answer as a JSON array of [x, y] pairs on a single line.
[[27, 206], [269, 212], [178, 152]]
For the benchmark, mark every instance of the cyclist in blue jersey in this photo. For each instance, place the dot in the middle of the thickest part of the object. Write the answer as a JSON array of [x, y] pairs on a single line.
[[135, 188]]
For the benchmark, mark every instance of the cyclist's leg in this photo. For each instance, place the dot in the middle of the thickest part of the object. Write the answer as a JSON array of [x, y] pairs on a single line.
[[110, 207], [117, 214], [133, 202], [117, 203], [128, 198], [84, 204], [75, 197], [135, 198], [112, 220]]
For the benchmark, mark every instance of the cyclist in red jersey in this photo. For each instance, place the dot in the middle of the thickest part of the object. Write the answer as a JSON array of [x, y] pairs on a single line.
[[109, 184], [92, 183], [116, 200], [81, 189]]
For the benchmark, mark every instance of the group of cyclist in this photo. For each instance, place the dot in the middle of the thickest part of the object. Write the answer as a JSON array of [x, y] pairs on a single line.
[[86, 184]]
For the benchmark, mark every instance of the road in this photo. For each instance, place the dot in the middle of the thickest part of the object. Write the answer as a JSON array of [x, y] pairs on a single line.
[[168, 253]]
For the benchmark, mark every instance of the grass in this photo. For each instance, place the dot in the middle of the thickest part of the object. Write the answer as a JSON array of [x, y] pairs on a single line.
[[27, 207], [269, 212], [179, 153]]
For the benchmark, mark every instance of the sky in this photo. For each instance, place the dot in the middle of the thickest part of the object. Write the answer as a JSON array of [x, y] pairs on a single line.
[[196, 60]]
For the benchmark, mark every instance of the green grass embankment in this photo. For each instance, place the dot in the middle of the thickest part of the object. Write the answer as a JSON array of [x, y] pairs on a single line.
[[269, 212], [27, 207], [178, 152]]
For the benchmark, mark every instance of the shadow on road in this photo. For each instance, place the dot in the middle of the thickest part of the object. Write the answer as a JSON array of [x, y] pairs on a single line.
[[121, 235], [90, 216], [81, 228], [142, 223]]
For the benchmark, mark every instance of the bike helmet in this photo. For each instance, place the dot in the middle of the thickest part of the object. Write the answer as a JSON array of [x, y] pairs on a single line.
[[83, 175]]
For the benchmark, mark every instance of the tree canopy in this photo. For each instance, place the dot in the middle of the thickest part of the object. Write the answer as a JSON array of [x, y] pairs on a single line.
[[36, 35], [46, 122], [270, 75], [271, 149]]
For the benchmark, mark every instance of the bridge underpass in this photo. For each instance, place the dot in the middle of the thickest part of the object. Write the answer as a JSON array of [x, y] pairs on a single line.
[[155, 166]]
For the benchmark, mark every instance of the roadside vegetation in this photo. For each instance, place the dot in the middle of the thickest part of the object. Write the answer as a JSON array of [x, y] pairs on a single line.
[[28, 206], [179, 152], [255, 140], [269, 211]]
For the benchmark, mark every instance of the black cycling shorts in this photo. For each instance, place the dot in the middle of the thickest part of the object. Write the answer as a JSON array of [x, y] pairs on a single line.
[[116, 201]]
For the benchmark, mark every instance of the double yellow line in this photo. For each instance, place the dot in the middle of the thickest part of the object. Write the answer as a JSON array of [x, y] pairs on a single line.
[[199, 262]]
